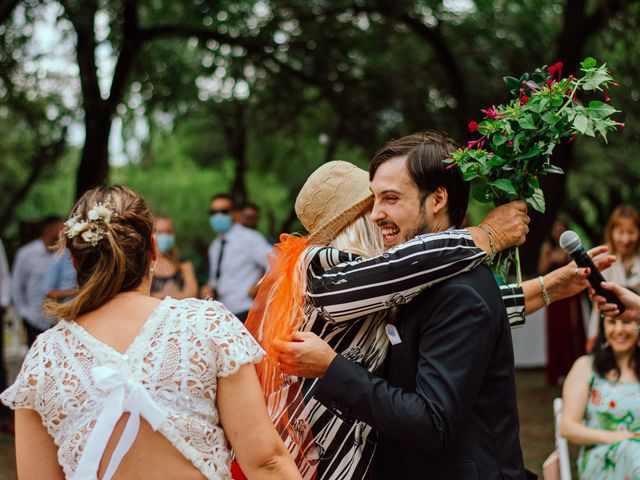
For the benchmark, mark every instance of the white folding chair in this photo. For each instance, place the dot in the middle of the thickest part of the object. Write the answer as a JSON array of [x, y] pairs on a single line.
[[562, 445], [558, 465]]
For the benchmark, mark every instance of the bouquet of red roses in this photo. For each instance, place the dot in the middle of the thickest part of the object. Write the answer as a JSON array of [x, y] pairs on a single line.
[[517, 139]]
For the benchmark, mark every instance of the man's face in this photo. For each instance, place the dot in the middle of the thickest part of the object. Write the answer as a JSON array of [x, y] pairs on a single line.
[[250, 217], [397, 208], [221, 205], [51, 233]]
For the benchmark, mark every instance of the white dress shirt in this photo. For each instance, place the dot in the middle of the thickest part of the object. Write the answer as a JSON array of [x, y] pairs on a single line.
[[5, 279], [244, 261], [29, 271]]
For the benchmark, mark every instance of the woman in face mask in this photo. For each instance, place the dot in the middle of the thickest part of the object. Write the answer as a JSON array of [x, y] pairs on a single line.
[[173, 277]]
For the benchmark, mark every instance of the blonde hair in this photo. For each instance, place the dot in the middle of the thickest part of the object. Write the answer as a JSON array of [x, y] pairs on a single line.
[[118, 261], [361, 237], [621, 212]]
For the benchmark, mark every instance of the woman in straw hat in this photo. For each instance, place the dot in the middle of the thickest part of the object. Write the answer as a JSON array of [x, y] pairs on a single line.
[[323, 283]]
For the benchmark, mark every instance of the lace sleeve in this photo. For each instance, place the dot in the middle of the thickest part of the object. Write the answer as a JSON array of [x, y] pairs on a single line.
[[23, 392], [231, 342]]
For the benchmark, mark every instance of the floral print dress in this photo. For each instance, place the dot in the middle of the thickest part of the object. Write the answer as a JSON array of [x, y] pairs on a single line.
[[612, 406]]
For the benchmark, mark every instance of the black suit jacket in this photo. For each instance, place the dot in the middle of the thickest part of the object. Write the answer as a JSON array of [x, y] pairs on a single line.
[[447, 409]]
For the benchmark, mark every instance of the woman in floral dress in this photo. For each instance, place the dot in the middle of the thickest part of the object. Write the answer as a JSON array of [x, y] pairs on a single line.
[[602, 404]]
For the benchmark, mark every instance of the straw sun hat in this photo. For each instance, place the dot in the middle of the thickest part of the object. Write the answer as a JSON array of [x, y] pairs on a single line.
[[332, 197]]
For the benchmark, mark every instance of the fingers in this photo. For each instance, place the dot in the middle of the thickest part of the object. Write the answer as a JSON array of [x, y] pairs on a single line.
[[284, 347], [298, 336], [599, 250], [604, 261], [612, 287], [519, 205], [583, 272]]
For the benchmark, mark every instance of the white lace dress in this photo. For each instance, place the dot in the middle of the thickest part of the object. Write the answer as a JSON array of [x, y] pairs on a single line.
[[80, 386]]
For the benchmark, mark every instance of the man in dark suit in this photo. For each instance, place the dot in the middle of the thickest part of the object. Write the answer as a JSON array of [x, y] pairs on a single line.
[[446, 408]]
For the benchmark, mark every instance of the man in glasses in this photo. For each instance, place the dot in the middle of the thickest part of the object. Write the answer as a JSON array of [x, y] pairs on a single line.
[[237, 258]]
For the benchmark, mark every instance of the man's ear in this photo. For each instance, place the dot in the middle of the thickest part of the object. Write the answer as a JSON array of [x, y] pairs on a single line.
[[439, 199]]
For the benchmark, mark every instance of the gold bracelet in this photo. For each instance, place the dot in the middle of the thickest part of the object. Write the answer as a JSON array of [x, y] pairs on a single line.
[[545, 295]]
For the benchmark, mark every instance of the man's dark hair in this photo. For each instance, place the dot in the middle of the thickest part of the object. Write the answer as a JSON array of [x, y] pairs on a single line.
[[224, 196], [250, 205], [425, 153], [49, 221]]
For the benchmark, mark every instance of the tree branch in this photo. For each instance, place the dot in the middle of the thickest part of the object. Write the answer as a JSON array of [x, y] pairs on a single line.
[[46, 155], [204, 34], [83, 23], [131, 43], [6, 9]]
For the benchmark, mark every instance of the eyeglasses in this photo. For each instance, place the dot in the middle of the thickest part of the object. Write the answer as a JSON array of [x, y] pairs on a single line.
[[225, 211]]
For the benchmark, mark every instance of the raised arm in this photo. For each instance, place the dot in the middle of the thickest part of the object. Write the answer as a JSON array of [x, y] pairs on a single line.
[[345, 287], [355, 288]]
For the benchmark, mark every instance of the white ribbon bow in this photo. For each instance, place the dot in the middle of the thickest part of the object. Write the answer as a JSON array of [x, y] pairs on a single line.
[[125, 396]]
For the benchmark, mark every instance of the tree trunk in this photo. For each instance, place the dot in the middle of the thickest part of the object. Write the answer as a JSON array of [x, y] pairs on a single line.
[[234, 126], [94, 161]]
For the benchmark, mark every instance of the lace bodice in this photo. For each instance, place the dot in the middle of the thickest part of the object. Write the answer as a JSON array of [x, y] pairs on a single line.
[[182, 349]]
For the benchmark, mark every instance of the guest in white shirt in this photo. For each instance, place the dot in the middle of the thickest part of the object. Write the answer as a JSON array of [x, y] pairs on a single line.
[[29, 271], [237, 258]]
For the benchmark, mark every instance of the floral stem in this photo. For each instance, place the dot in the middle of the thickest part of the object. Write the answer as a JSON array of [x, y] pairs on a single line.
[[570, 99]]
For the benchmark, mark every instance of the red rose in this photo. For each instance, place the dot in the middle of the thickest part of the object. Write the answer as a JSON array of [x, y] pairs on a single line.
[[612, 404], [473, 126], [596, 398]]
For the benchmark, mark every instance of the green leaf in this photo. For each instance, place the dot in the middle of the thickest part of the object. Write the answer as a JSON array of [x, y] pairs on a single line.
[[526, 122], [537, 200], [550, 118], [600, 109], [499, 139], [593, 79], [553, 169], [534, 152], [512, 84], [556, 101], [588, 62], [504, 185], [496, 161], [581, 123], [480, 192]]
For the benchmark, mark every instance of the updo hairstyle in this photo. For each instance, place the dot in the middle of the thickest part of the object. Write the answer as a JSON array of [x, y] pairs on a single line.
[[110, 251]]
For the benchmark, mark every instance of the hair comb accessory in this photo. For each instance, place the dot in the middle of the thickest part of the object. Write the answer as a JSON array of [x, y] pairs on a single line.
[[87, 229]]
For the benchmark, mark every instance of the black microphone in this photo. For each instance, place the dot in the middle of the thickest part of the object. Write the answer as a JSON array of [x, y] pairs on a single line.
[[570, 241]]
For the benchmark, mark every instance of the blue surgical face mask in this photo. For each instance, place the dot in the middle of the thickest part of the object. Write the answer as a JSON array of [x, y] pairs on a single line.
[[221, 222], [166, 241]]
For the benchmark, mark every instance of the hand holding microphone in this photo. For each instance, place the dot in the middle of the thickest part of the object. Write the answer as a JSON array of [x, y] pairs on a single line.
[[570, 241]]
